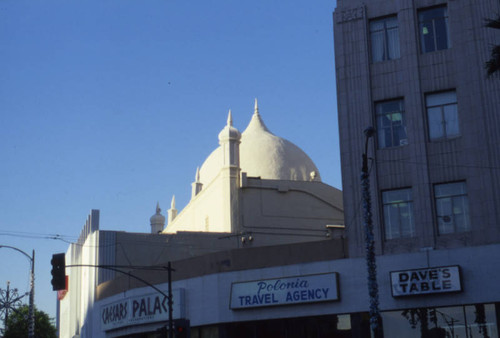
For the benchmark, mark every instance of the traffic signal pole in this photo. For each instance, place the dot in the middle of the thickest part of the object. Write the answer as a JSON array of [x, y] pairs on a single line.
[[115, 268]]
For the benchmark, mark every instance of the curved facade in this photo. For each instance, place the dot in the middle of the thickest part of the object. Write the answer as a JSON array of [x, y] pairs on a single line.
[[256, 200]]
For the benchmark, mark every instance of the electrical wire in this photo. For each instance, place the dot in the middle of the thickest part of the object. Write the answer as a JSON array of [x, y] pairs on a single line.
[[439, 165], [34, 235]]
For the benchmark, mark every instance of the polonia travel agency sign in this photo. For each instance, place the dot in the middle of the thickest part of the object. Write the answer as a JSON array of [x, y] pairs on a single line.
[[285, 291], [142, 309], [442, 279]]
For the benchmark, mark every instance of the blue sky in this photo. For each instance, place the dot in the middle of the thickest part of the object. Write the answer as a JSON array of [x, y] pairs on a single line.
[[112, 104]]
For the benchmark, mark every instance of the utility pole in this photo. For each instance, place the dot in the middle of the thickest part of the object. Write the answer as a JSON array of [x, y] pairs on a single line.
[[170, 302], [31, 313], [370, 241], [168, 296], [7, 307]]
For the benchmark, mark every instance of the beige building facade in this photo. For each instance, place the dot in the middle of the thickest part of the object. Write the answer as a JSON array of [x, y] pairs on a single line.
[[256, 191]]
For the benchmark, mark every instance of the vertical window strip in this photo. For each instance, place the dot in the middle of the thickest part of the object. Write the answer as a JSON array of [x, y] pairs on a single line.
[[442, 115], [391, 124], [433, 27], [384, 35], [452, 207], [398, 213]]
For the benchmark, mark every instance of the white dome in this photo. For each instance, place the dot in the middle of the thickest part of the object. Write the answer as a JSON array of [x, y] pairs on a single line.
[[264, 155], [211, 167]]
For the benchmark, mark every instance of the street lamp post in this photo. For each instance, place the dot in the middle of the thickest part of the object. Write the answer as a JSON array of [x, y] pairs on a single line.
[[369, 240], [31, 311]]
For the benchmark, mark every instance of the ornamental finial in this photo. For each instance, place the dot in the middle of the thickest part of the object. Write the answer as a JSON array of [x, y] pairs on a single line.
[[256, 109], [229, 118]]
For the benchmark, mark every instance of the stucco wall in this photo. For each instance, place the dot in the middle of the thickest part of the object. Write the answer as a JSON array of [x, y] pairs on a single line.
[[207, 296]]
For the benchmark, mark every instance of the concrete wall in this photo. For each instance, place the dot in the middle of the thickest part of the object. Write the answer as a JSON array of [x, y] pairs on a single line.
[[207, 296], [272, 211], [230, 260], [77, 305], [472, 157], [276, 211], [205, 211]]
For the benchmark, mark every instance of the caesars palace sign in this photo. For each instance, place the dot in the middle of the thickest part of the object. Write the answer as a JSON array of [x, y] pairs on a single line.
[[142, 309]]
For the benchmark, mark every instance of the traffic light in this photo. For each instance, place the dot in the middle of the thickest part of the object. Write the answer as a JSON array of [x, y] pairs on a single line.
[[58, 271], [182, 328]]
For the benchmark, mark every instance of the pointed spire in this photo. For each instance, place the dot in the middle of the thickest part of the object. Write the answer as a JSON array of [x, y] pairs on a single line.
[[196, 185], [157, 221], [229, 132], [172, 204], [197, 178], [172, 212], [256, 123], [229, 118]]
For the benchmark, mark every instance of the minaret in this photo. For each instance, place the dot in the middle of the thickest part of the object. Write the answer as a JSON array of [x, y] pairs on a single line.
[[172, 212], [157, 221], [229, 140], [196, 185]]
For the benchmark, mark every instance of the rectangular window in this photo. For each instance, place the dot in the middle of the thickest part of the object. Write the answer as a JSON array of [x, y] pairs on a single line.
[[433, 26], [391, 124], [384, 35], [442, 115], [452, 207], [398, 213]]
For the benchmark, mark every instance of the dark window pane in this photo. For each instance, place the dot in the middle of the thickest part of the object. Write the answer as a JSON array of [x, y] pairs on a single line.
[[451, 119], [433, 26], [452, 207], [442, 115], [391, 124], [384, 37], [378, 50], [427, 37], [398, 213], [441, 34], [393, 43]]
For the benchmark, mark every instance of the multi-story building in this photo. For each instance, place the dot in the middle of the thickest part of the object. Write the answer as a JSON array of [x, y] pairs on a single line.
[[250, 250], [415, 71]]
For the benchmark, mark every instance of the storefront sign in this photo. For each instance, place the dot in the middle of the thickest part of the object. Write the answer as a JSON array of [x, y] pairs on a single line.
[[284, 291], [141, 310], [426, 281]]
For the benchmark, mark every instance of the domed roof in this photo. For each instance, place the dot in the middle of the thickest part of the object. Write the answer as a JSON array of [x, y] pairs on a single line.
[[229, 132], [264, 155], [157, 218]]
